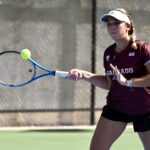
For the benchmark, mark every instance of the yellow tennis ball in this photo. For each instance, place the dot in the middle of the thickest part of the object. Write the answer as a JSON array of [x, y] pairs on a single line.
[[25, 54]]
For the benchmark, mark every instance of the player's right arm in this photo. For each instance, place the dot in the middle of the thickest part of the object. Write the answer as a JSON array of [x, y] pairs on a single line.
[[101, 81]]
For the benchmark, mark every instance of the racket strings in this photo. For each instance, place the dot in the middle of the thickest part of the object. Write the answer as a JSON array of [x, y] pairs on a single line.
[[14, 70]]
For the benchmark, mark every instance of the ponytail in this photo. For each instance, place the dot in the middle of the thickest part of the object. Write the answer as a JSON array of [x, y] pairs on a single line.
[[132, 34]]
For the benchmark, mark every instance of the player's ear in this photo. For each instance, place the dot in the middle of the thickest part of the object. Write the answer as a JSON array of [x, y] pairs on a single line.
[[128, 26]]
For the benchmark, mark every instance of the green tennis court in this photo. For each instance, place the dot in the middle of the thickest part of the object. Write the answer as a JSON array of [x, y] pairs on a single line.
[[62, 139]]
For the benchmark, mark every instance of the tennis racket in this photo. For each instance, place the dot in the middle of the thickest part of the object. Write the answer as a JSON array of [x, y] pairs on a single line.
[[16, 72]]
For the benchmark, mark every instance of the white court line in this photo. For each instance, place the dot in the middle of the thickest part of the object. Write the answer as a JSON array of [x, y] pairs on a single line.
[[52, 128]]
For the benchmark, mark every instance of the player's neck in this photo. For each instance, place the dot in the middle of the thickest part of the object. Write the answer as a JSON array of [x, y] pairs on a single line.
[[121, 45]]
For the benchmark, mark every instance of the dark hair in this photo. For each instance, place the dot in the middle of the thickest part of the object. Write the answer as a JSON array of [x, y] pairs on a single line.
[[131, 32]]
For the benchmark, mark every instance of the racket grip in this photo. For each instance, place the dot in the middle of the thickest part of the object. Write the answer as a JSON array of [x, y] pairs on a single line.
[[62, 74]]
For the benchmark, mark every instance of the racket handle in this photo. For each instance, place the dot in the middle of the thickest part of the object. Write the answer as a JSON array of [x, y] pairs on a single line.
[[61, 74]]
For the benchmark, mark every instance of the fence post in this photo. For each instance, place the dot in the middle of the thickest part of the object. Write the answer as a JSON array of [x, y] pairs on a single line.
[[92, 119]]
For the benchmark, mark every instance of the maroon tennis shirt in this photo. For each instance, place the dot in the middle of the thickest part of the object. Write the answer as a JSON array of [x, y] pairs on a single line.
[[131, 63]]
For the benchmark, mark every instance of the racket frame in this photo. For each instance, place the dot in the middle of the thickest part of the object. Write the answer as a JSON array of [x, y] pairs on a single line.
[[48, 72]]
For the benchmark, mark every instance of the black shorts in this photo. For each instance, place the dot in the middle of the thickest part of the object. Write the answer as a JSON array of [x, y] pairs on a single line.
[[141, 123]]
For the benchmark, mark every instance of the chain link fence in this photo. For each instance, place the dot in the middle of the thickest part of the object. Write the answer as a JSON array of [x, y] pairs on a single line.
[[60, 35]]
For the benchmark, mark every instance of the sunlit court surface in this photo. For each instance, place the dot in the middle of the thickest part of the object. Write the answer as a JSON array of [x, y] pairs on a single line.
[[60, 138]]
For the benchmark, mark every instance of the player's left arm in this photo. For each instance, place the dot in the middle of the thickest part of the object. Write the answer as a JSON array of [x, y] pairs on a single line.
[[143, 81]]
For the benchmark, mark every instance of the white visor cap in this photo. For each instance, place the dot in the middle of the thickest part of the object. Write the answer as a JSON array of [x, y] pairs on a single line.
[[117, 15]]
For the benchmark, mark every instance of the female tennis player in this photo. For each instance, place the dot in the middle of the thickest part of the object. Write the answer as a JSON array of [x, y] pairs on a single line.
[[127, 67]]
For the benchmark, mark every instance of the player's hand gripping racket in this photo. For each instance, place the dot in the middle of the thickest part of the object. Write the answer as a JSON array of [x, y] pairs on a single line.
[[16, 72]]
